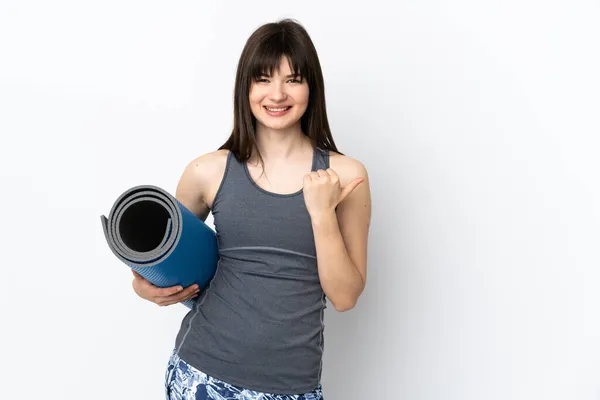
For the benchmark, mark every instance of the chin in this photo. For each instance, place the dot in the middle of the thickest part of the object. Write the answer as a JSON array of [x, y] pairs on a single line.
[[279, 125]]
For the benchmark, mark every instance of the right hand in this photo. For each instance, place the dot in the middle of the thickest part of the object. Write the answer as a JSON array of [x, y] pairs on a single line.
[[162, 296]]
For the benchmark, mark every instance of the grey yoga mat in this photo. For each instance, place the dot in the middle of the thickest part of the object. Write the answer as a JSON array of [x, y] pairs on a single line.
[[154, 234]]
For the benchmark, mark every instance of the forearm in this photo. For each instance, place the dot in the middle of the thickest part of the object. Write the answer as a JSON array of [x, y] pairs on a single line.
[[340, 279]]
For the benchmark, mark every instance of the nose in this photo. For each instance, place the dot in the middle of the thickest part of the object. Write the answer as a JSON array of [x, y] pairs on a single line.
[[277, 93]]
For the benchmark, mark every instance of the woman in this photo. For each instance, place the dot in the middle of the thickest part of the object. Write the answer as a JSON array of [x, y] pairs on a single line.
[[292, 217]]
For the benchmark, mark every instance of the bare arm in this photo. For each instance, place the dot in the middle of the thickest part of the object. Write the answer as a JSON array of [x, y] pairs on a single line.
[[194, 190], [191, 189], [341, 238]]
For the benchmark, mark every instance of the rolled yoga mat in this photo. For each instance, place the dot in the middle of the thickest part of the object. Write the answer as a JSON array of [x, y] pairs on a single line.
[[154, 234]]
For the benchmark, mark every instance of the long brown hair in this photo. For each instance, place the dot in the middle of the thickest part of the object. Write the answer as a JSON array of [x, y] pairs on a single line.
[[262, 53]]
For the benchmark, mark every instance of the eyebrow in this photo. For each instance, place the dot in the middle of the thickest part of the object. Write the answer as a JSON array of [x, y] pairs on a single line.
[[289, 76]]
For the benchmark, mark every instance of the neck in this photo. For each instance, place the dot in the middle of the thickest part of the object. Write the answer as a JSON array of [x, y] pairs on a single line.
[[281, 144]]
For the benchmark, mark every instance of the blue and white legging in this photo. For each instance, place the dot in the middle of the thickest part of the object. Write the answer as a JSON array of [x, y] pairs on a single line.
[[184, 382]]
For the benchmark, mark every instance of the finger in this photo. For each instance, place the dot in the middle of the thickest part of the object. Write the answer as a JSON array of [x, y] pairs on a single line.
[[187, 294], [350, 187], [323, 174], [307, 179], [332, 172], [333, 175], [179, 295], [166, 292], [191, 296], [170, 303], [163, 302]]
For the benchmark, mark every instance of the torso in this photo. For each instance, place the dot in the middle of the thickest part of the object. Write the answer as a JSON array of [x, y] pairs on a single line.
[[244, 328]]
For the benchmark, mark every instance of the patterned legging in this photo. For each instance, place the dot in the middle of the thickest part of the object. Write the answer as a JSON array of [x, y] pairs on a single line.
[[184, 382]]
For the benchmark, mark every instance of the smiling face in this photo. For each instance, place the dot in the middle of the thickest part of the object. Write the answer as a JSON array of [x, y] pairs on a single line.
[[278, 101]]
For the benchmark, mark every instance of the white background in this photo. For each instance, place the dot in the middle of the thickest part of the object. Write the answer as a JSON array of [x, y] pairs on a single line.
[[477, 121]]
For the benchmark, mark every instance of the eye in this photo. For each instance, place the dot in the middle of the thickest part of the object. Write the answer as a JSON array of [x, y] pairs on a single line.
[[293, 80], [262, 80]]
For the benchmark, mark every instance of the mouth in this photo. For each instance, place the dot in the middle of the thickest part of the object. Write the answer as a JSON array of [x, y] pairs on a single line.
[[277, 111]]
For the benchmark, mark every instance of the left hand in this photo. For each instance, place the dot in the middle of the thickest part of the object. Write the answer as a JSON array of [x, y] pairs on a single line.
[[323, 191]]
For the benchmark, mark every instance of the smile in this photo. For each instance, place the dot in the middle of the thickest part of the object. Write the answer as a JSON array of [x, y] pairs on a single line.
[[277, 111]]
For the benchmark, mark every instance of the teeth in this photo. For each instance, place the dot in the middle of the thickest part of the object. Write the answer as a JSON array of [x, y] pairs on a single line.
[[277, 109]]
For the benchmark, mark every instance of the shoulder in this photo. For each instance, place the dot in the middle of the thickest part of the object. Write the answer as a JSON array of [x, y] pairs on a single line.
[[203, 168], [346, 167], [202, 173]]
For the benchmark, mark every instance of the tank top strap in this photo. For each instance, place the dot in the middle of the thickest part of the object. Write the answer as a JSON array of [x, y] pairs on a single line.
[[321, 159], [233, 177], [234, 170]]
